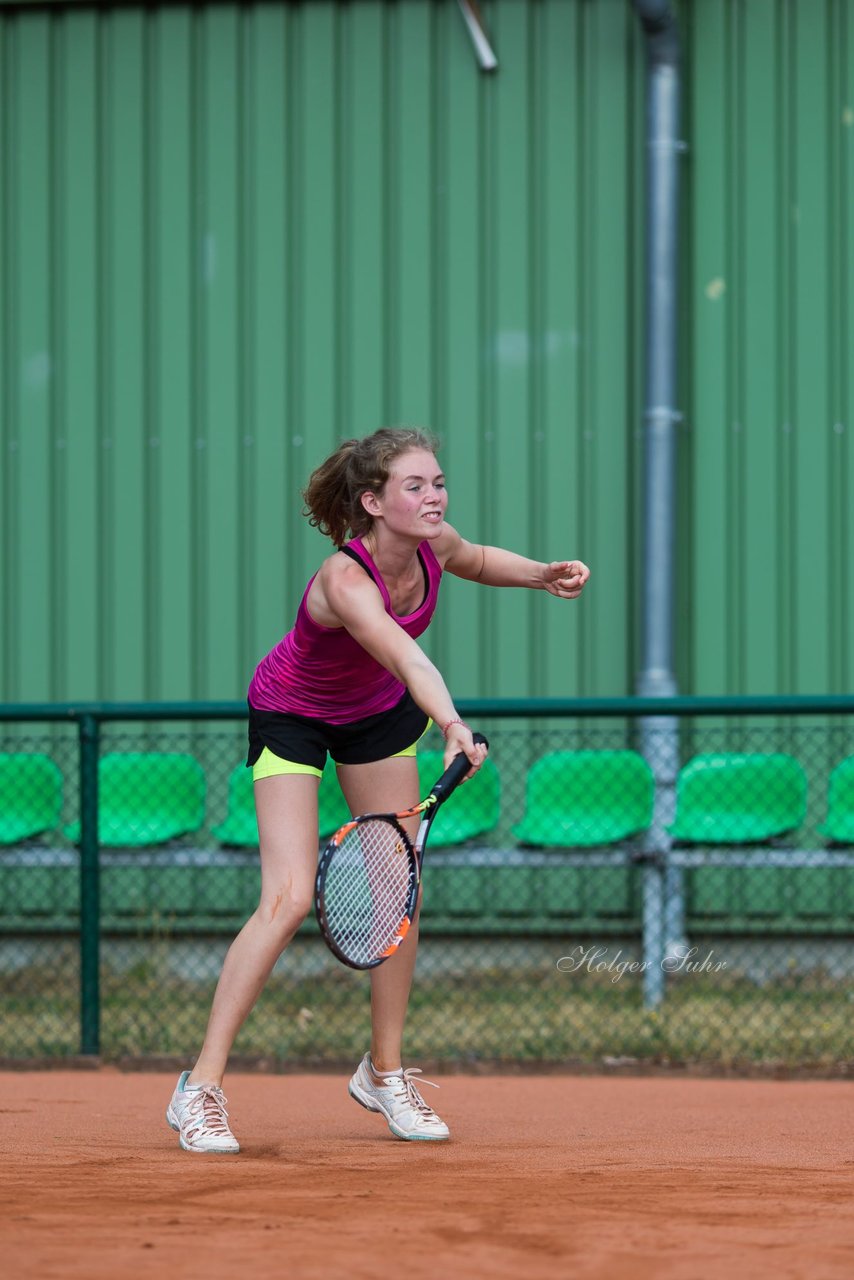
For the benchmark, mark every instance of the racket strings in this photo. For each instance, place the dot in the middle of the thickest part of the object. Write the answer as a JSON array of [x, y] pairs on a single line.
[[368, 889]]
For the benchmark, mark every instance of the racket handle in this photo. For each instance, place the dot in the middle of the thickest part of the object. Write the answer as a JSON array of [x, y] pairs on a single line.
[[455, 772]]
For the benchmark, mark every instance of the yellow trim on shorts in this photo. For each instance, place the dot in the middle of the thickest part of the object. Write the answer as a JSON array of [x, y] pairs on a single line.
[[269, 765], [413, 748]]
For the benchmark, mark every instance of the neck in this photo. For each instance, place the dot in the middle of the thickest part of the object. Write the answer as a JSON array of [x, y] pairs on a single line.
[[392, 556]]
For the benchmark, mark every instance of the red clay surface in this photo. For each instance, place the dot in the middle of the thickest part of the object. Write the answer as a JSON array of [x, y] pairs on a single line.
[[593, 1178]]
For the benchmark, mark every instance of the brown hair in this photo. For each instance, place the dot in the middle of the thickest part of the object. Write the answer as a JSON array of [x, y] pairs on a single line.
[[334, 490]]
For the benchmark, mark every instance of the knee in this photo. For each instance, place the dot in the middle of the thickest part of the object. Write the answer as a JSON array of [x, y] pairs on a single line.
[[285, 907]]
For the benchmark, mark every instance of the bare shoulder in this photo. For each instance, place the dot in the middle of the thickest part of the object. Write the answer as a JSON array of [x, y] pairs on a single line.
[[340, 585], [457, 555], [447, 544]]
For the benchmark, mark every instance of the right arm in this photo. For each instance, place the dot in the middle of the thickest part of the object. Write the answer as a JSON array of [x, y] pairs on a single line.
[[346, 596]]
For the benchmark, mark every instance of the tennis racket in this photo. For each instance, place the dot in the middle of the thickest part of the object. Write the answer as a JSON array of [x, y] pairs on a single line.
[[368, 876]]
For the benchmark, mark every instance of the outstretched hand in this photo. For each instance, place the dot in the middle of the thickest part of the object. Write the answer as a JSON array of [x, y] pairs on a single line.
[[565, 578]]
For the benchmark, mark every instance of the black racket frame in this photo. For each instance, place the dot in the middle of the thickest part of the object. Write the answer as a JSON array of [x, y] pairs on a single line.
[[440, 791]]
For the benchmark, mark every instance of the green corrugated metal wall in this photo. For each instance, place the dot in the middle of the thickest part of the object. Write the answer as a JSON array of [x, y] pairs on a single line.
[[231, 236], [771, 180]]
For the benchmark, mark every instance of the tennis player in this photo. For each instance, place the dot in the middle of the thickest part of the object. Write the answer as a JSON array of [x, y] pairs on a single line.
[[351, 680]]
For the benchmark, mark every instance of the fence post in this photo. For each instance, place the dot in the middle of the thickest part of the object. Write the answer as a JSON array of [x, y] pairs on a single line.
[[90, 895], [663, 911], [654, 944]]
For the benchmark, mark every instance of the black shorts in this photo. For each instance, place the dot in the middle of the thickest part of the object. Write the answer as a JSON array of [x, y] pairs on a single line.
[[304, 741]]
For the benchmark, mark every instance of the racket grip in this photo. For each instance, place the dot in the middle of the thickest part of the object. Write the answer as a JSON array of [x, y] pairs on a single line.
[[456, 771]]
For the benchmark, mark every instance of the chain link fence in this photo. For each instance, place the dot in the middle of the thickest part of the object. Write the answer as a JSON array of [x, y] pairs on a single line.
[[615, 887]]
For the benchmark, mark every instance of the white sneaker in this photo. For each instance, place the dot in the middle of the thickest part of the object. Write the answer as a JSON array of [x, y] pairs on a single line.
[[399, 1101], [200, 1119]]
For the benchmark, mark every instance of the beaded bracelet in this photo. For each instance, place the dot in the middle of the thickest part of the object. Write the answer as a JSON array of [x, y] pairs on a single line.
[[448, 725]]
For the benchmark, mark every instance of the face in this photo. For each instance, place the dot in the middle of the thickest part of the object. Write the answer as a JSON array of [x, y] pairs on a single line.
[[414, 498]]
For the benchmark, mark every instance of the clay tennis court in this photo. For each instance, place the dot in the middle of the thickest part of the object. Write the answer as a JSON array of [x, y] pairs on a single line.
[[677, 1179]]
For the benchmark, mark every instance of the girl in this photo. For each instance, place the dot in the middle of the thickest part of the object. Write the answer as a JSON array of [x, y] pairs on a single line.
[[350, 679]]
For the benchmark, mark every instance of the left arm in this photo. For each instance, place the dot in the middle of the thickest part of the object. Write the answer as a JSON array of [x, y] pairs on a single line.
[[495, 567]]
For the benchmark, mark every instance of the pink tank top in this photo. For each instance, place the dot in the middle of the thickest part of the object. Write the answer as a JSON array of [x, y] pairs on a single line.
[[323, 673]]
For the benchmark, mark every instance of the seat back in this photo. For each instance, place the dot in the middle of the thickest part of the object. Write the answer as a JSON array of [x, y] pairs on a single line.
[[739, 797], [332, 811], [240, 826], [30, 795], [586, 798], [472, 810], [839, 825], [148, 797]]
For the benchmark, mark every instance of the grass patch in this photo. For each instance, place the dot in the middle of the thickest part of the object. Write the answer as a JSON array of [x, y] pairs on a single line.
[[528, 1017]]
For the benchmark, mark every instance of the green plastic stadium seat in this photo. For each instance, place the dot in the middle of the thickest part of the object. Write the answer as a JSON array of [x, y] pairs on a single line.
[[839, 825], [471, 811], [331, 805], [586, 798], [30, 795], [240, 827], [147, 798], [739, 798]]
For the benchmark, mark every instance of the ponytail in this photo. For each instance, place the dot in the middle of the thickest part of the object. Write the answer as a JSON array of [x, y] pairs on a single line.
[[333, 495]]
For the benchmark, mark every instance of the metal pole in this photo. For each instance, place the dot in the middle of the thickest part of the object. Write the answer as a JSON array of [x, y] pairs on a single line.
[[656, 678], [486, 58], [90, 899]]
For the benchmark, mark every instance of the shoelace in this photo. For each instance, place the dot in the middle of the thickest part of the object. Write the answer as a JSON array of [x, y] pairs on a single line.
[[208, 1109], [409, 1090]]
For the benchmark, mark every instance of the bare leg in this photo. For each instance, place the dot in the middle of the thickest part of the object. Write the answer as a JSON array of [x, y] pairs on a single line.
[[388, 785], [287, 823]]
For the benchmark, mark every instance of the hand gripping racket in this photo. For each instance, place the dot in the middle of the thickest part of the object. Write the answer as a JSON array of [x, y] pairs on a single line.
[[368, 876]]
